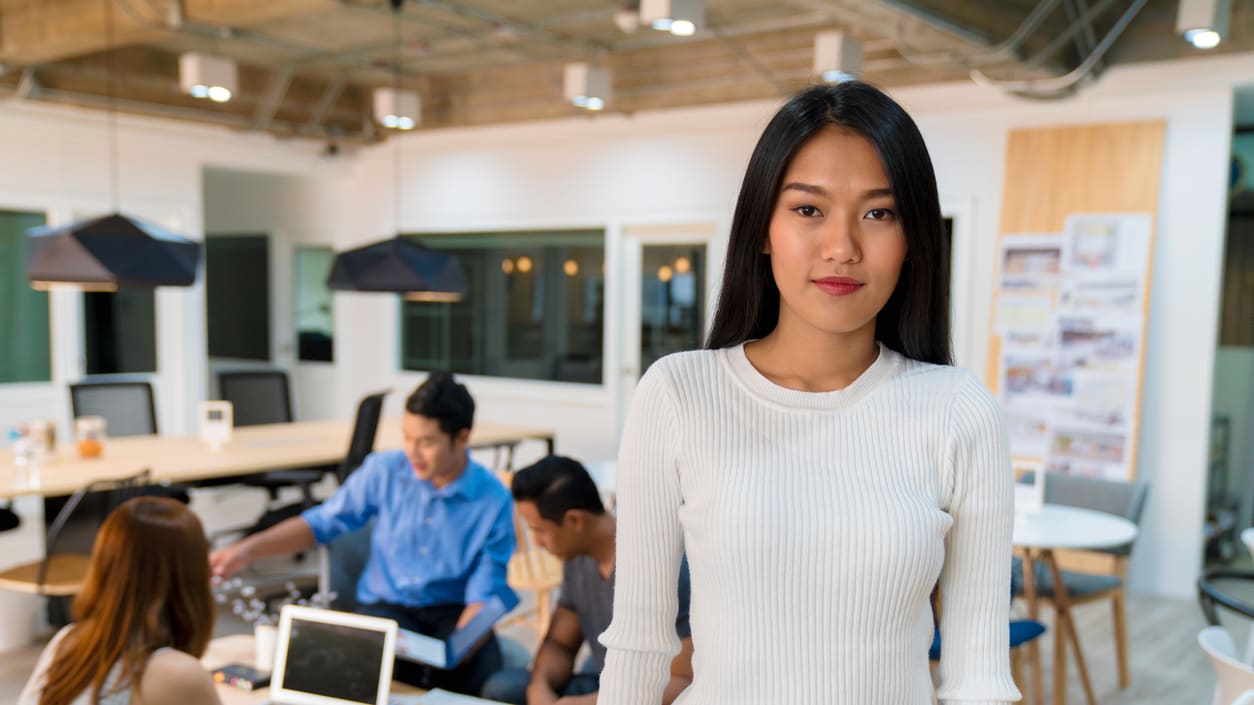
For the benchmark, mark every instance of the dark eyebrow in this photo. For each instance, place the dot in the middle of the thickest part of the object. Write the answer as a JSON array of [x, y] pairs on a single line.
[[820, 191], [807, 188]]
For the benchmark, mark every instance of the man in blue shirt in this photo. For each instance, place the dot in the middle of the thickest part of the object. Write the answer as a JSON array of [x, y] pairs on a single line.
[[443, 532]]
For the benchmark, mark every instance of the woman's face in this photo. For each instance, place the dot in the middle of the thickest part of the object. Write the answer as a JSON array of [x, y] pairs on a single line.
[[836, 242]]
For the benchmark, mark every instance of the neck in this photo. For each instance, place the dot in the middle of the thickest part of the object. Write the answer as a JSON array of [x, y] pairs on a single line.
[[601, 542], [801, 357], [450, 474]]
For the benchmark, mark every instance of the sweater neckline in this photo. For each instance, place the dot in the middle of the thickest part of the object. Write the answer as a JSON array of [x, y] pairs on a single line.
[[758, 384]]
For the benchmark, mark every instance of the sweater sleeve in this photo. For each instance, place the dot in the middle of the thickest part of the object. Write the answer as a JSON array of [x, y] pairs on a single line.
[[975, 580], [641, 640]]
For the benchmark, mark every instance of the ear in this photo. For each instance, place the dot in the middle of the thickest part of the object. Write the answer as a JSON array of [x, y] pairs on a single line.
[[574, 519], [462, 437], [766, 246]]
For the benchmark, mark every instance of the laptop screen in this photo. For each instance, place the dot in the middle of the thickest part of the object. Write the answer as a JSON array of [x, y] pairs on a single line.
[[334, 661]]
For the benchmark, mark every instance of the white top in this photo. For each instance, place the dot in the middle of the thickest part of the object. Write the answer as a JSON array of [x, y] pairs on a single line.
[[110, 694], [1056, 526], [816, 525]]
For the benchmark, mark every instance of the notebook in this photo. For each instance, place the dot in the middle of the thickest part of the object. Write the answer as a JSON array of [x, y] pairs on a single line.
[[441, 697], [450, 652]]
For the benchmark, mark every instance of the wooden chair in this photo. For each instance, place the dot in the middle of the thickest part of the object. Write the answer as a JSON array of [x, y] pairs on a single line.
[[531, 569], [1097, 575], [62, 574]]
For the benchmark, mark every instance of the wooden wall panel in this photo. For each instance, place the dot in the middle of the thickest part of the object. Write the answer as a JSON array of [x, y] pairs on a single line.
[[1053, 172]]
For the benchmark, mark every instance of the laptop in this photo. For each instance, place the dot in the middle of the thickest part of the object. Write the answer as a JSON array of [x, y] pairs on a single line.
[[326, 657], [448, 653]]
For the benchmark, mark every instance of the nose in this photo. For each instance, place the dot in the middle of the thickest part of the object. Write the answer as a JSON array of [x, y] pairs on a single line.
[[839, 241]]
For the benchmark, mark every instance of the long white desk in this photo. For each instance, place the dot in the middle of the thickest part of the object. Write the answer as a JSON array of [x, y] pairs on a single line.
[[253, 449]]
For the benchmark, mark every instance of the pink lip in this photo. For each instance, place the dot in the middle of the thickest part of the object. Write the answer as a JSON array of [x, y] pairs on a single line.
[[838, 286]]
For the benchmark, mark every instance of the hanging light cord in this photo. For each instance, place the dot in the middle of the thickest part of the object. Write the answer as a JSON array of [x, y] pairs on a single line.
[[397, 6], [114, 162]]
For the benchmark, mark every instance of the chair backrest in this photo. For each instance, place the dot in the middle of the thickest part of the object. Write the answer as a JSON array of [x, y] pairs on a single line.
[[107, 495], [1235, 677], [365, 428], [257, 396], [346, 557], [127, 407], [1122, 499]]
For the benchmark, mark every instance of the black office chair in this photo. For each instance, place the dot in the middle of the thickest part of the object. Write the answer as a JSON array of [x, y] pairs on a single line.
[[365, 429], [128, 408], [9, 520], [258, 396], [263, 397]]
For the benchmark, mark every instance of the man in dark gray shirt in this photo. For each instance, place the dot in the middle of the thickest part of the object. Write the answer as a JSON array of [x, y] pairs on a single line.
[[560, 504]]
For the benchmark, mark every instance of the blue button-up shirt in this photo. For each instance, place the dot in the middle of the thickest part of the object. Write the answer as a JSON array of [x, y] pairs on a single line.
[[429, 546]]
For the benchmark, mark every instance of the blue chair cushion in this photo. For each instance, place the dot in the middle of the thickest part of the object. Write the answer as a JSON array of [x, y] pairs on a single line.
[[1021, 632], [1078, 584], [1024, 630]]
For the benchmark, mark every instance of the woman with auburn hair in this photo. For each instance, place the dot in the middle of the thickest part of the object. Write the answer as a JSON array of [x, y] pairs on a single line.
[[143, 619]]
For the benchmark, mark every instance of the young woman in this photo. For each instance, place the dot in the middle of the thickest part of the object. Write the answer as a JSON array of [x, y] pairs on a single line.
[[821, 462], [143, 619]]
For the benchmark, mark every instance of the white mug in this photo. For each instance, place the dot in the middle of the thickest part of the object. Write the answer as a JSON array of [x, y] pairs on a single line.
[[266, 637]]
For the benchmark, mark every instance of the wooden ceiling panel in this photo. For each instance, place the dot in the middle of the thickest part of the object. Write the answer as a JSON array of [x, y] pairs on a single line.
[[480, 62]]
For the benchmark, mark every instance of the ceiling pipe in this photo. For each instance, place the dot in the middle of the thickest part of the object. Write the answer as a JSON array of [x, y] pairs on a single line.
[[1007, 50], [1061, 86]]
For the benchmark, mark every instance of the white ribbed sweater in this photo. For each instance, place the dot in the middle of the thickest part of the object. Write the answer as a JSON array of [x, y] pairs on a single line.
[[815, 525]]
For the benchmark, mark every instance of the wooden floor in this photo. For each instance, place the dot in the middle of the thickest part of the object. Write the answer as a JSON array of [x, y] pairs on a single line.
[[1167, 666]]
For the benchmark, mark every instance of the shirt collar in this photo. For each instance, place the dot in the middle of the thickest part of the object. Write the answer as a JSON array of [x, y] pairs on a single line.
[[465, 484]]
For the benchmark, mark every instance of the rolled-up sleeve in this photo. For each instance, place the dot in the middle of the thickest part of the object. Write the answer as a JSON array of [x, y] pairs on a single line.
[[491, 566], [354, 504]]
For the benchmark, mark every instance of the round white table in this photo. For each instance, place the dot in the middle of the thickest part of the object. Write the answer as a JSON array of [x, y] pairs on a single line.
[[1056, 526], [1037, 535]]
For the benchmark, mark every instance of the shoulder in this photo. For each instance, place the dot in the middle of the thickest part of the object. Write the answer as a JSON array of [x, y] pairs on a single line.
[[580, 566], [386, 461], [177, 678], [948, 382], [671, 377], [35, 684], [384, 466], [690, 361], [485, 485]]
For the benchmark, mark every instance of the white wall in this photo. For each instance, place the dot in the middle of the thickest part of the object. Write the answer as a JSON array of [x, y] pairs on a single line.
[[682, 166], [617, 172], [292, 210]]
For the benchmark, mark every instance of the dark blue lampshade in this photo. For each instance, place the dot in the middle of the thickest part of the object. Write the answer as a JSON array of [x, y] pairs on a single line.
[[401, 266], [110, 252]]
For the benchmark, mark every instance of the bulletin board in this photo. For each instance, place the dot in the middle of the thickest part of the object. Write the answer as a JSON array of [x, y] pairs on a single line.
[[1070, 309]]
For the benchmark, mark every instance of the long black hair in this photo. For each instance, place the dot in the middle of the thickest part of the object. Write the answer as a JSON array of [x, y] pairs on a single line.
[[915, 321]]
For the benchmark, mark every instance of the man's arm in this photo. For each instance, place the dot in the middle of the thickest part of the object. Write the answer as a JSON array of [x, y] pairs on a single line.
[[352, 505], [555, 659], [469, 613], [681, 672], [289, 536]]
